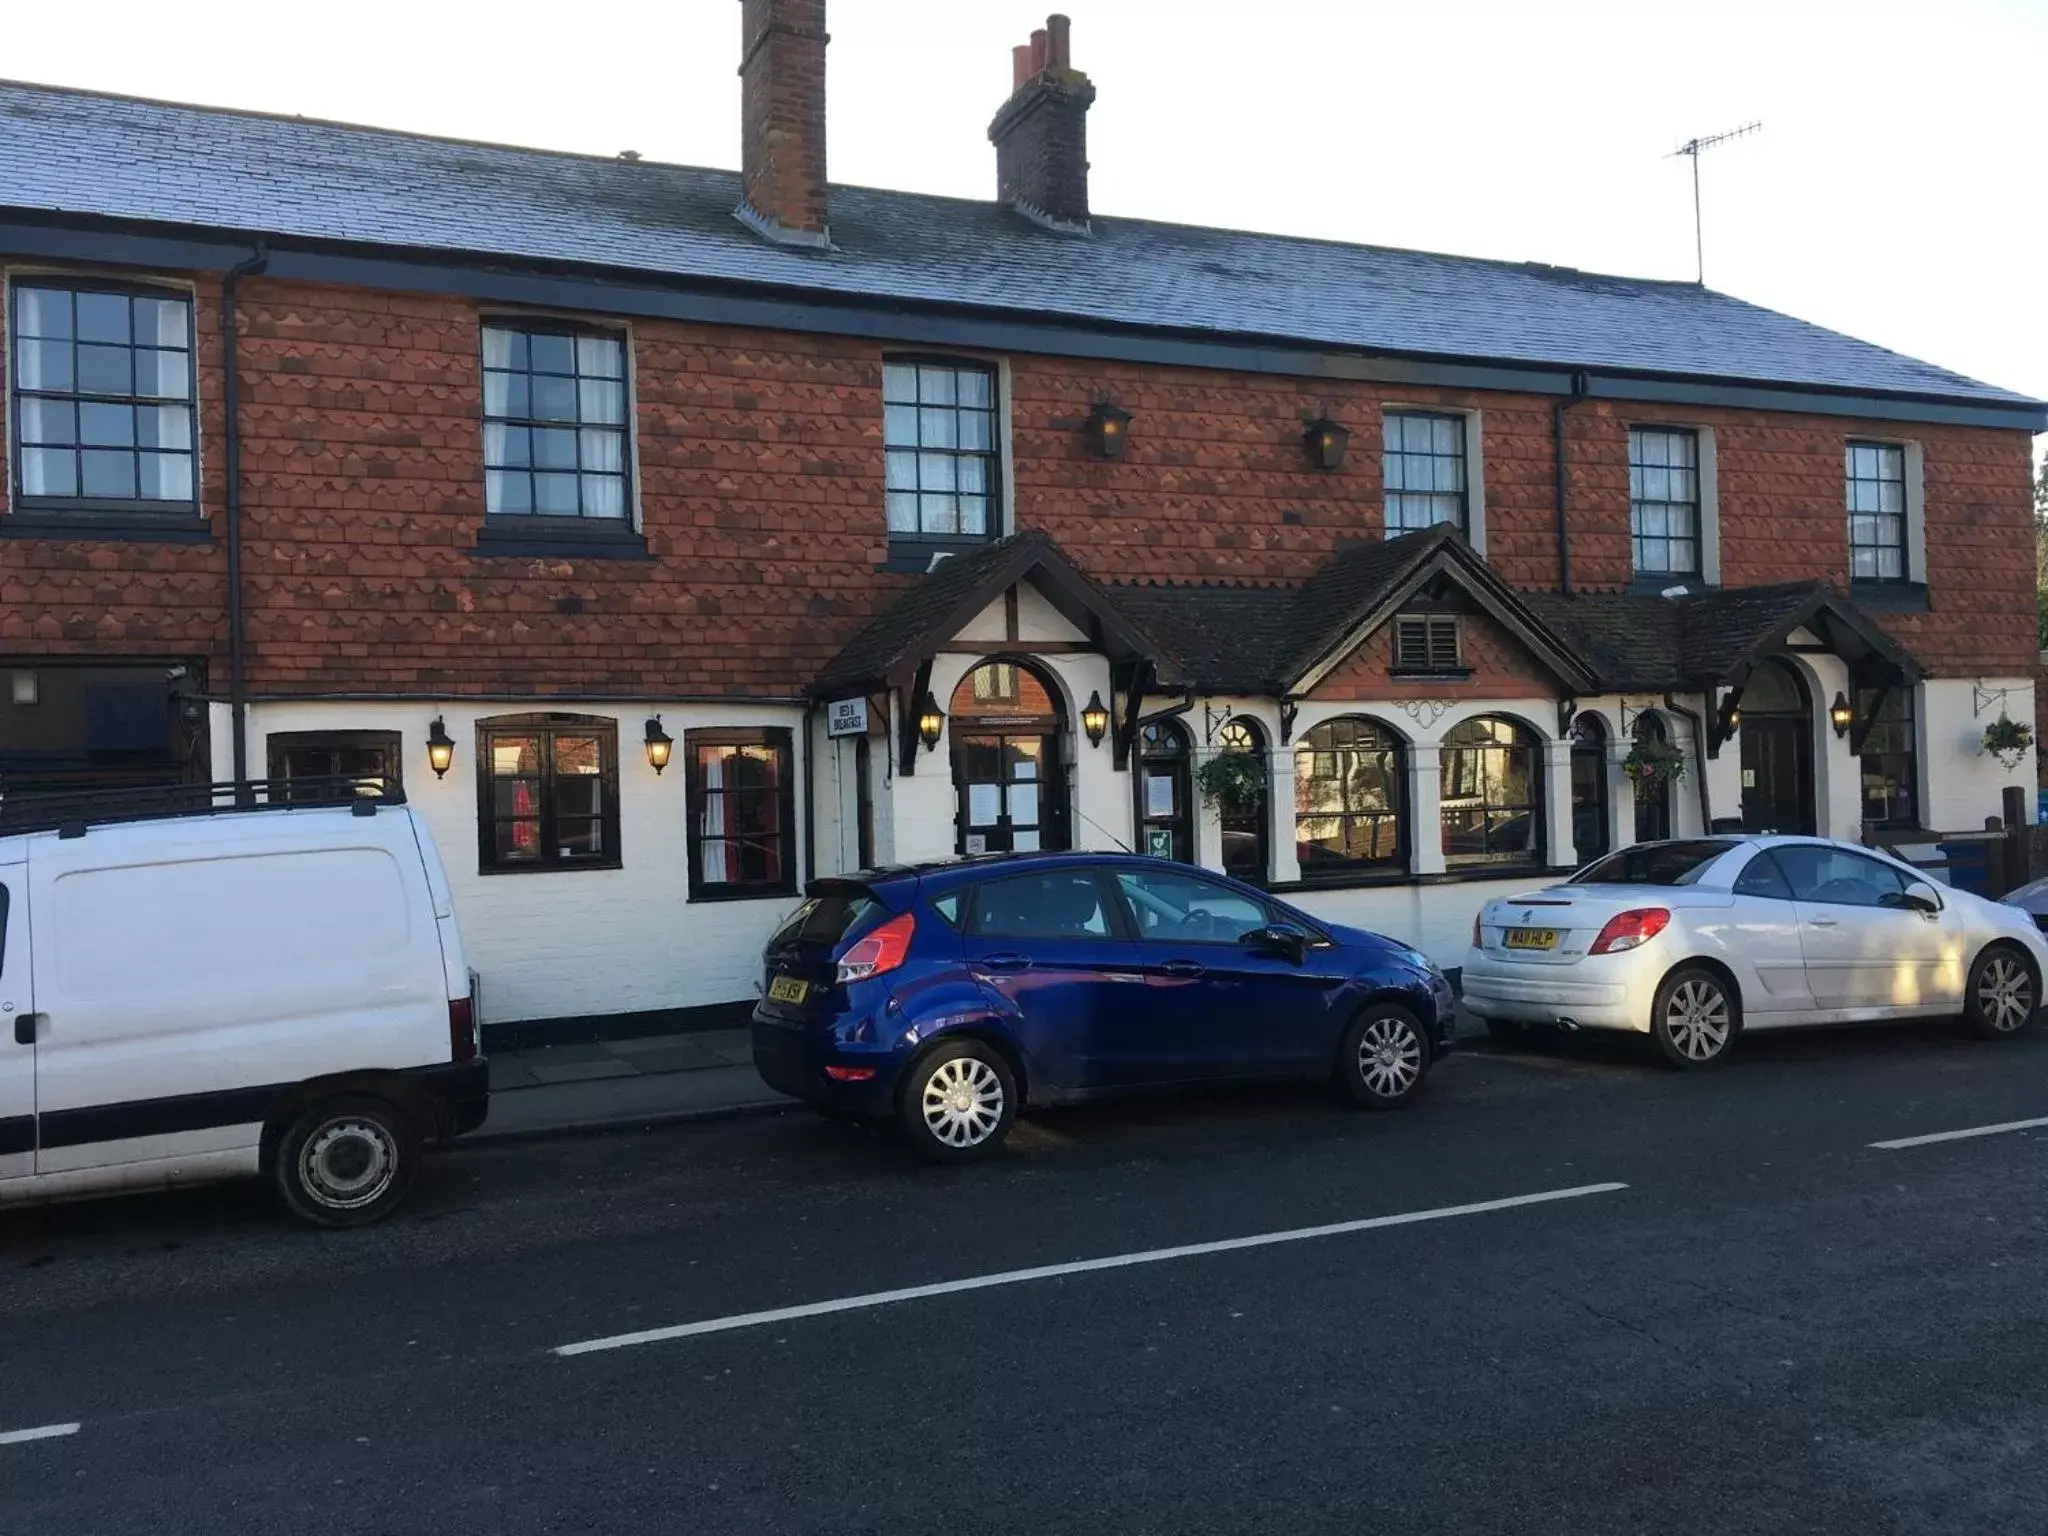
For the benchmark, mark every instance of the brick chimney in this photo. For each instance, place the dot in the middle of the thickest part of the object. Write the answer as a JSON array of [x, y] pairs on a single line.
[[782, 120], [1041, 133]]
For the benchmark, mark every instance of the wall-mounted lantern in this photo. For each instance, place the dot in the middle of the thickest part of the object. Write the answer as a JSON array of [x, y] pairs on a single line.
[[931, 722], [440, 748], [1326, 442], [1095, 718], [1840, 715], [1109, 428], [660, 745]]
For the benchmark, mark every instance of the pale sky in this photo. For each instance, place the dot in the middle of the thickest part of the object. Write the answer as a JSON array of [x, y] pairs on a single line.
[[1896, 191]]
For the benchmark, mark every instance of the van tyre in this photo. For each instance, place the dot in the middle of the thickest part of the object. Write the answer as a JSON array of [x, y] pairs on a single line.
[[1384, 1058], [347, 1162], [958, 1102], [1694, 1018], [2003, 993]]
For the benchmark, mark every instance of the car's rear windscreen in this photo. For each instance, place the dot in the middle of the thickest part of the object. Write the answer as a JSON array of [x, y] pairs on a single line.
[[825, 919], [1655, 864]]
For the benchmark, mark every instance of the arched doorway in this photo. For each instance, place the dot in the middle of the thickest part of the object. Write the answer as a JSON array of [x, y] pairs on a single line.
[[1009, 763], [1653, 801], [1246, 849], [1776, 730], [1163, 785], [1589, 788]]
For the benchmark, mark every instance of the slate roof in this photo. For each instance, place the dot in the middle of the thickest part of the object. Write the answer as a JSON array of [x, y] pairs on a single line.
[[1225, 639], [79, 153]]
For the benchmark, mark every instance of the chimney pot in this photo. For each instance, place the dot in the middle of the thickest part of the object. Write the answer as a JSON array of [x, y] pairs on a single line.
[[1057, 41], [1038, 52], [1020, 66], [782, 120]]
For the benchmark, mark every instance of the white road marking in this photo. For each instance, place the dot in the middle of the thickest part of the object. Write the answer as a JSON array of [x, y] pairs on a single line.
[[46, 1432], [1964, 1135], [1079, 1267]]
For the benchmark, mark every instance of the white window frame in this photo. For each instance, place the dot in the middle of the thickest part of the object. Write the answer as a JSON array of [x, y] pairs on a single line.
[[1913, 454], [1475, 461], [1708, 473]]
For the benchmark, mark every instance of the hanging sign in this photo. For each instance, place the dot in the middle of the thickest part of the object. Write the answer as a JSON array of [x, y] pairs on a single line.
[[846, 717]]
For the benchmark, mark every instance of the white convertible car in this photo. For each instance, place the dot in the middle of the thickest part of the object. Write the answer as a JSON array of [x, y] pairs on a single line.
[[1696, 940]]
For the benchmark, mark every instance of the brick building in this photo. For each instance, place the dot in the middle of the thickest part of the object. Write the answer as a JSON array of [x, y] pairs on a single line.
[[727, 529]]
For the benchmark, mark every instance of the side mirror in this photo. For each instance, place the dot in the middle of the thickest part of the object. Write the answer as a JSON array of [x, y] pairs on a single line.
[[1920, 897], [1282, 939]]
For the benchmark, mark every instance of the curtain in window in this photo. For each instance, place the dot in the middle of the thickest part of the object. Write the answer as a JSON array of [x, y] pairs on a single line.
[[719, 865]]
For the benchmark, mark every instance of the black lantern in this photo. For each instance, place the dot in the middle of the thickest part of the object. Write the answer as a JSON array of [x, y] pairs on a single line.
[[930, 722], [660, 745], [1095, 718], [1109, 427], [1326, 442], [440, 748], [1840, 715]]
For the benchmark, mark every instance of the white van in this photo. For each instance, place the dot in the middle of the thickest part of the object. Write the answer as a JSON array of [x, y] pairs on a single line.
[[205, 991]]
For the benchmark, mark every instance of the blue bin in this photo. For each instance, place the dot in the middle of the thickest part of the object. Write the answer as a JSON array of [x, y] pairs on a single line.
[[1969, 866]]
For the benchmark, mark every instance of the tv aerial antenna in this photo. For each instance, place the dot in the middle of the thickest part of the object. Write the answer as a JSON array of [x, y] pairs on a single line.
[[1691, 150]]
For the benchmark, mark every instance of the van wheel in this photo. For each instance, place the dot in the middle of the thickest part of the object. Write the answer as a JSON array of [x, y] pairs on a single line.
[[958, 1102], [347, 1162]]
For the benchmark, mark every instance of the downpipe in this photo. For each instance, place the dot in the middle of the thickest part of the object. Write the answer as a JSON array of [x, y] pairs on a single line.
[[1580, 387], [1699, 752], [231, 455]]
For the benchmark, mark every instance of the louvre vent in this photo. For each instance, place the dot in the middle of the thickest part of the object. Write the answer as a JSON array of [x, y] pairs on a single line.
[[1426, 643]]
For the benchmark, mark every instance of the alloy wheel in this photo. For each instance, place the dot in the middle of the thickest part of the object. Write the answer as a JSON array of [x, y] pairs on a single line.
[[348, 1163], [2005, 993], [963, 1101], [1697, 1019], [1389, 1056]]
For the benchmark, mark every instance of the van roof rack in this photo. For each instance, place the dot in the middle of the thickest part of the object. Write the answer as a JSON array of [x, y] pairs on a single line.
[[70, 812]]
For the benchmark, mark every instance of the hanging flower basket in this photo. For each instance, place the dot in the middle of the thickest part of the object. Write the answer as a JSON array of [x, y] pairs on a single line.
[[1652, 763], [2008, 740], [1233, 783]]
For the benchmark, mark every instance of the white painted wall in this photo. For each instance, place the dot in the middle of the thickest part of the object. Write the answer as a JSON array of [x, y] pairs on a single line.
[[1961, 784], [1436, 919], [562, 943]]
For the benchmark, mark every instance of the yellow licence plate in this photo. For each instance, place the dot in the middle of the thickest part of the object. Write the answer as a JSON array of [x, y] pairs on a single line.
[[1532, 938], [787, 989]]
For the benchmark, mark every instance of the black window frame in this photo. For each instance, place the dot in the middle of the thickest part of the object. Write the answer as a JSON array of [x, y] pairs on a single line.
[[580, 526], [915, 549], [83, 512], [547, 726], [1394, 747], [1429, 645], [1534, 808], [1897, 719], [389, 745], [1639, 503], [1463, 459], [778, 739], [1850, 481], [1589, 757]]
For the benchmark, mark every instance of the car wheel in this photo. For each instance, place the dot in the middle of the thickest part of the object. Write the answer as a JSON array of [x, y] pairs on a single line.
[[959, 1102], [1385, 1057], [1694, 1017], [2002, 993], [347, 1162]]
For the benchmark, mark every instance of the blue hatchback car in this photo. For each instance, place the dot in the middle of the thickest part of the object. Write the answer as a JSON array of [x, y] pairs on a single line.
[[950, 996]]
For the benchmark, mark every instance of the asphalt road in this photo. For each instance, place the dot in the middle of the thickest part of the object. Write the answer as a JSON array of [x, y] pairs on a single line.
[[1773, 1326]]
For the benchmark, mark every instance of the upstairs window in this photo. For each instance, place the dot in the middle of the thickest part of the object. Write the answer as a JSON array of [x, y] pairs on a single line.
[[939, 434], [103, 399], [1423, 467], [554, 423], [1664, 501], [1428, 644], [1876, 474]]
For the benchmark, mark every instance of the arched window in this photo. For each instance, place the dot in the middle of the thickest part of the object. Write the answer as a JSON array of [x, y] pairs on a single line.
[[1492, 793], [1245, 847], [1348, 800], [1166, 824], [1589, 788]]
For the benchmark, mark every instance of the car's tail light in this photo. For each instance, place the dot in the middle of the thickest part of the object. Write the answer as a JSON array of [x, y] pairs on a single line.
[[461, 1029], [1478, 938], [880, 952], [1625, 930]]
